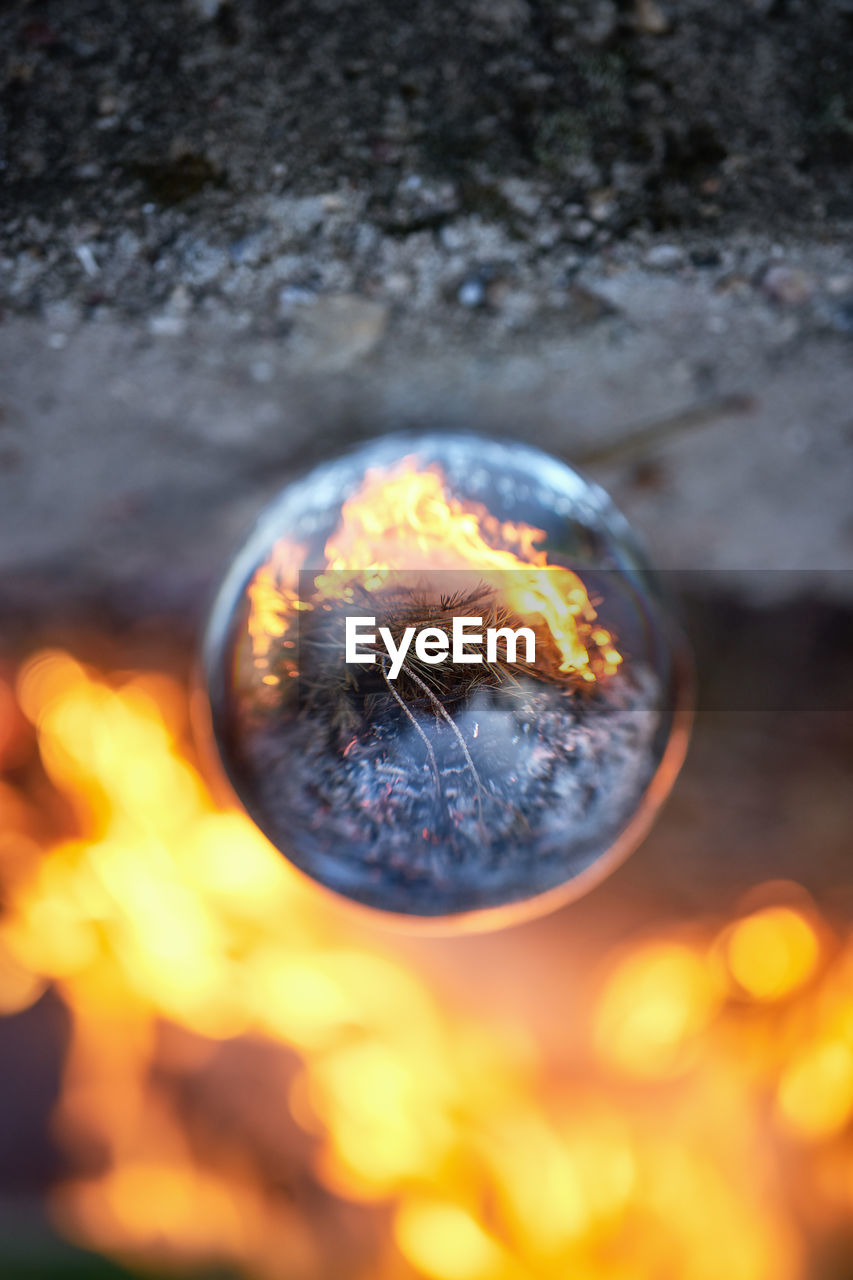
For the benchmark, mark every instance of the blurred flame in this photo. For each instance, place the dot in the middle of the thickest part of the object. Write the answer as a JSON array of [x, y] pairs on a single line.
[[656, 1147], [772, 952], [402, 521], [816, 1089], [446, 1242], [653, 1007]]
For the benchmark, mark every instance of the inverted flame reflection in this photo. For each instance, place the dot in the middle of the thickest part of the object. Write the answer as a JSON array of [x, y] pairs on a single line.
[[403, 521]]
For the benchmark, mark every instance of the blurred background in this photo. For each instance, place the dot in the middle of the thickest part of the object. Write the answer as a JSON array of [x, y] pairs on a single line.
[[234, 239]]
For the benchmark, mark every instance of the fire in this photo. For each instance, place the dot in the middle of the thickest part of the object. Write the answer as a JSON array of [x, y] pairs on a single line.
[[402, 521], [656, 1141]]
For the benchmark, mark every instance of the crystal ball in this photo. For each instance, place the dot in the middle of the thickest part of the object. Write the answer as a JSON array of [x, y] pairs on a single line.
[[443, 680]]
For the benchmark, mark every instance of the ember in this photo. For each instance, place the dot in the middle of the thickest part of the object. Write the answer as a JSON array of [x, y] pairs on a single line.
[[372, 740]]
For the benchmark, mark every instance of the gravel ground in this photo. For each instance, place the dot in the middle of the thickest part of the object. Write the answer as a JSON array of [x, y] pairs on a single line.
[[234, 238]]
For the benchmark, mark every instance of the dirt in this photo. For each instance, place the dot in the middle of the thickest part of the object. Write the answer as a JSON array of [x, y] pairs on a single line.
[[233, 151]]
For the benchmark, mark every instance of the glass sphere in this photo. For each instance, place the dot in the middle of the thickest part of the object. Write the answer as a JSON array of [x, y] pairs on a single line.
[[443, 681]]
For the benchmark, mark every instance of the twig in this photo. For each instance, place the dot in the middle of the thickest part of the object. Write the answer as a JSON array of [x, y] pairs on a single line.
[[413, 719], [441, 710], [653, 433]]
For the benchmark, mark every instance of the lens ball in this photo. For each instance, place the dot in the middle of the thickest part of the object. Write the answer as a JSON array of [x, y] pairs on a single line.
[[443, 680]]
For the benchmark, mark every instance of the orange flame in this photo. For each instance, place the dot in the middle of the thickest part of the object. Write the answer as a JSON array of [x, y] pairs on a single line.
[[402, 521], [651, 1142]]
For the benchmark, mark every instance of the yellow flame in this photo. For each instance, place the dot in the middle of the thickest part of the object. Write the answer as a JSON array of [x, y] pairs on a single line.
[[446, 1243], [816, 1089], [772, 952], [654, 1006]]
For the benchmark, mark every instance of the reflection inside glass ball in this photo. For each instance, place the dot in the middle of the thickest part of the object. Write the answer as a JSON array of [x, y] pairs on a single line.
[[441, 681]]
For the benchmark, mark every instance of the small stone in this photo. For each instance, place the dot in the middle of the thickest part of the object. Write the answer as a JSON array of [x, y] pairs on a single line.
[[547, 234], [582, 230], [789, 286], [518, 306], [733, 283], [522, 195], [586, 307], [398, 284], [333, 202], [418, 205], [86, 259], [452, 237], [650, 18], [471, 292], [841, 318], [295, 295], [298, 218], [838, 285], [506, 17], [601, 23], [484, 285], [248, 249], [601, 204], [167, 326], [180, 302], [664, 257], [340, 329]]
